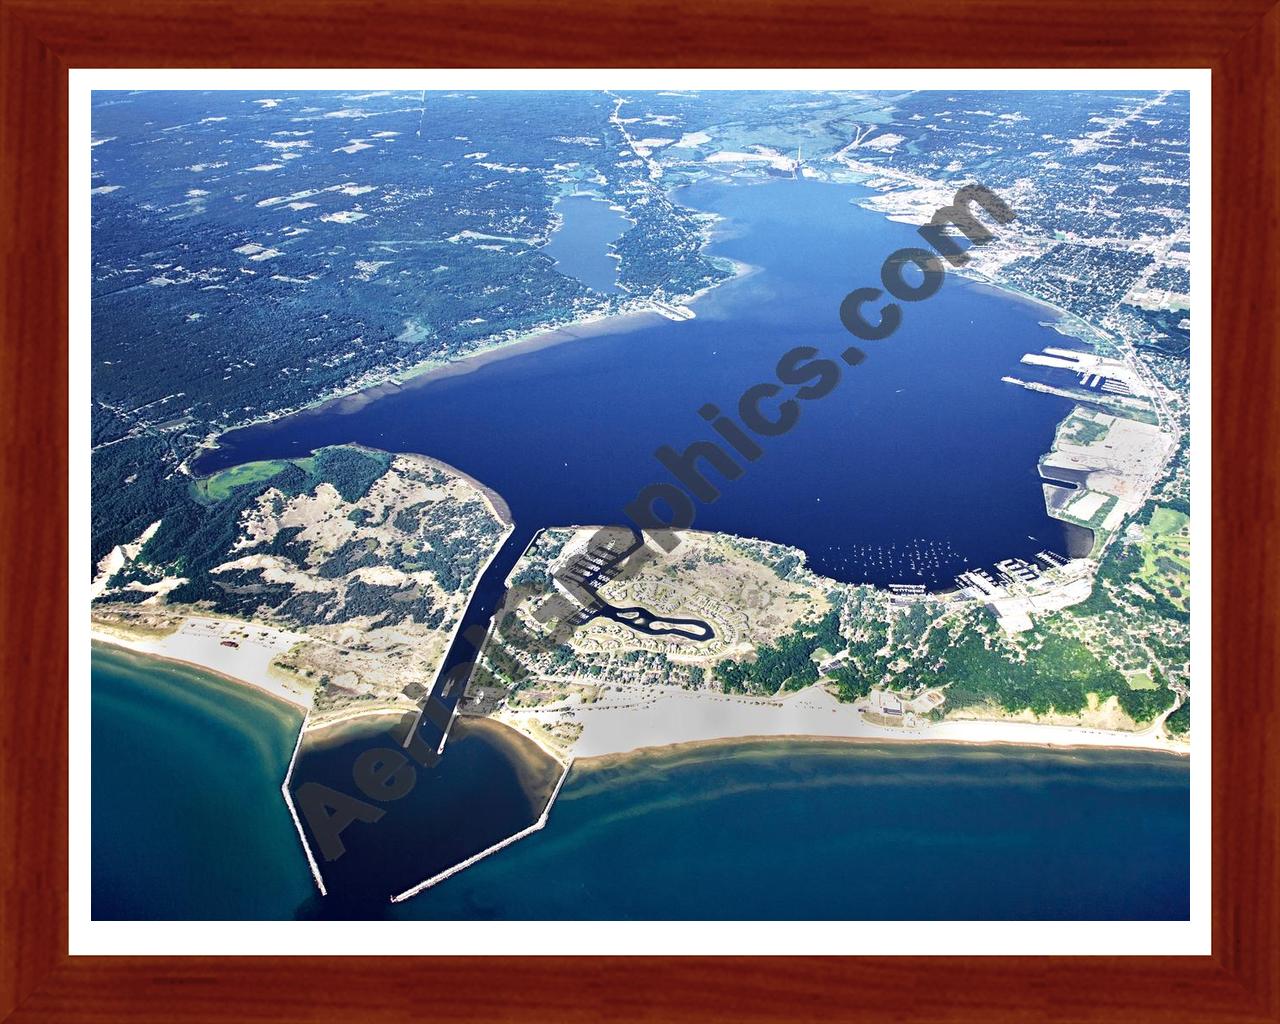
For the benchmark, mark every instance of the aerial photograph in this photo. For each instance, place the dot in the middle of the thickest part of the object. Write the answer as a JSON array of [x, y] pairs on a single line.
[[616, 505]]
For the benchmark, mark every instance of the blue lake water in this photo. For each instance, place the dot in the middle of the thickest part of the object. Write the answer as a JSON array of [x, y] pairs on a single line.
[[580, 246], [188, 823], [919, 464], [820, 830], [491, 784], [188, 819]]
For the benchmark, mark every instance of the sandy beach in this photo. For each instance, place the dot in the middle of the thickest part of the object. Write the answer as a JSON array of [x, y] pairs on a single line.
[[658, 716], [200, 641], [665, 716], [357, 396]]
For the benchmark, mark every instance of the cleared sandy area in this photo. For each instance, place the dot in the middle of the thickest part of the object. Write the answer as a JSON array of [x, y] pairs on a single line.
[[1087, 505], [201, 641], [663, 716]]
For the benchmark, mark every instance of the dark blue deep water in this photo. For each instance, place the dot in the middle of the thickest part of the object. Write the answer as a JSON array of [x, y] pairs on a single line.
[[921, 447], [188, 823], [813, 830]]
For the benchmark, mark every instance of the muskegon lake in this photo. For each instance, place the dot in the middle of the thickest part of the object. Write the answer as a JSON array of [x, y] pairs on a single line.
[[919, 464]]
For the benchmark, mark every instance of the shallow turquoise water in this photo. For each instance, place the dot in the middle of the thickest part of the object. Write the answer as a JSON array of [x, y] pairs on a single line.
[[841, 831], [188, 822], [188, 819]]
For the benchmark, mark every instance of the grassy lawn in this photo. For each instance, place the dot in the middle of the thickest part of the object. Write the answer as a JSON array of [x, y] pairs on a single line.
[[220, 485], [1166, 557], [1141, 681], [1167, 520]]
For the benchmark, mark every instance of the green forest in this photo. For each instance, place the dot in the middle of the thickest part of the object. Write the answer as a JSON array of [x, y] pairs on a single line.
[[785, 665], [199, 521]]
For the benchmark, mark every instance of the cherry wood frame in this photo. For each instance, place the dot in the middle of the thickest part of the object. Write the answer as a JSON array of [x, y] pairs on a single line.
[[41, 39]]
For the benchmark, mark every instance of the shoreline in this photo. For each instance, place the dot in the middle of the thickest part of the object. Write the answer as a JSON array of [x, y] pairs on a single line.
[[497, 503], [670, 716], [336, 729], [620, 757], [361, 393], [973, 731], [381, 383], [611, 747], [279, 695], [354, 398]]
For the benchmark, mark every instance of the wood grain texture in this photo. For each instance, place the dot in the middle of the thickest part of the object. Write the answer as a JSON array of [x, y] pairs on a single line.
[[41, 39]]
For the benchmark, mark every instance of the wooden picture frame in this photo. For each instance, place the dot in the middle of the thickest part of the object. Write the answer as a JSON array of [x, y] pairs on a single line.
[[42, 39]]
